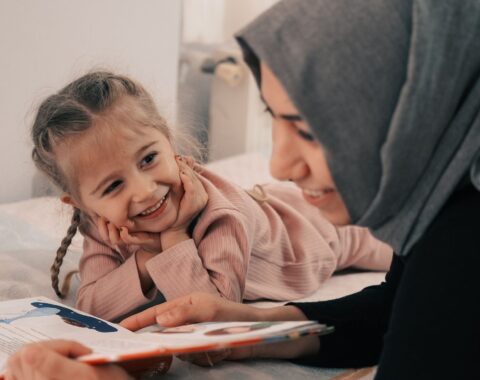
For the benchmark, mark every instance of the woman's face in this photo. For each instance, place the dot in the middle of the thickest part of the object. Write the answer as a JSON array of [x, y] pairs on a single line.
[[296, 155]]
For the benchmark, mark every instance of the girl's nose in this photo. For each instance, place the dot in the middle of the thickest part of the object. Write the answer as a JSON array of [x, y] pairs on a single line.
[[143, 188], [286, 162]]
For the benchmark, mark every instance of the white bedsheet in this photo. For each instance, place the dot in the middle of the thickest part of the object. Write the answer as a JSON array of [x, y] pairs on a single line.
[[31, 231]]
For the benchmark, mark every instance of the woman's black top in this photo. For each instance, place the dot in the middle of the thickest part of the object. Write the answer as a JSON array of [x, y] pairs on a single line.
[[423, 322]]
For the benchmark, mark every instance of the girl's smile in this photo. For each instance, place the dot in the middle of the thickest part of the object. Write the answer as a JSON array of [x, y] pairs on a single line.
[[155, 210]]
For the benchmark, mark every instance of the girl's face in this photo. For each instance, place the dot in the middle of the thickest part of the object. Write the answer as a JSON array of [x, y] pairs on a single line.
[[126, 173], [296, 155]]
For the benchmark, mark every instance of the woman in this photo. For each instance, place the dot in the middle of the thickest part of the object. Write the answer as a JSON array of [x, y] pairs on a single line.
[[376, 113], [375, 108]]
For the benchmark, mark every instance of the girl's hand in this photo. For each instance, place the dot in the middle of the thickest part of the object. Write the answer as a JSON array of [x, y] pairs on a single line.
[[149, 241], [194, 200], [52, 360], [117, 237]]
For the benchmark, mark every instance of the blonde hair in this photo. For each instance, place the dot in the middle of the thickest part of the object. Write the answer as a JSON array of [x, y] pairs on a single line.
[[71, 112]]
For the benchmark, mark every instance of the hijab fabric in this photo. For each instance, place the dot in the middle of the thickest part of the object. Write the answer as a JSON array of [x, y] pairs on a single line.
[[391, 90]]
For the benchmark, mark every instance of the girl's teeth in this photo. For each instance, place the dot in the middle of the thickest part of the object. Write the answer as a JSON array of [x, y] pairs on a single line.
[[153, 208]]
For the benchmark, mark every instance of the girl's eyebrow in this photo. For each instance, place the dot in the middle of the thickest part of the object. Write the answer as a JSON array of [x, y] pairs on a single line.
[[145, 147], [107, 179]]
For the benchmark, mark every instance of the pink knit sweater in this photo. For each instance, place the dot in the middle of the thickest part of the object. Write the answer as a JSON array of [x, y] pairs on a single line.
[[243, 249]]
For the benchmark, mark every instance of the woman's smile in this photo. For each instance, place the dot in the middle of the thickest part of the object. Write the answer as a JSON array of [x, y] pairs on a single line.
[[318, 198]]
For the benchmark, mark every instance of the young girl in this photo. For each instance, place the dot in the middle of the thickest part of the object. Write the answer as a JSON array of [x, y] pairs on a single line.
[[154, 222]]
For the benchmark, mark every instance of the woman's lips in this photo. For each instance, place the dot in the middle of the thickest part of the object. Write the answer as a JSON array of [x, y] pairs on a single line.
[[318, 198]]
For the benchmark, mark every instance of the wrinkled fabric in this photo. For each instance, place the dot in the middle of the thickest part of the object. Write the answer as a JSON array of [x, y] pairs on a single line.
[[391, 90]]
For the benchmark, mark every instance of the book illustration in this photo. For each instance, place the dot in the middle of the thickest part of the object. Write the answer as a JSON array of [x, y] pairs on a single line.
[[231, 330], [188, 329], [43, 309]]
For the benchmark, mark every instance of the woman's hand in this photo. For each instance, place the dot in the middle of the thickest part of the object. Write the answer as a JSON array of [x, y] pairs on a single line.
[[196, 307], [53, 360], [194, 200], [204, 307]]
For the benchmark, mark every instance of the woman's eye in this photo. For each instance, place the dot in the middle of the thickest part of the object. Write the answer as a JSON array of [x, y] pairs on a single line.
[[112, 187], [305, 135], [148, 159]]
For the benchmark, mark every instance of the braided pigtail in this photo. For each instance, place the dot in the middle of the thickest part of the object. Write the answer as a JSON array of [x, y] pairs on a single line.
[[61, 252]]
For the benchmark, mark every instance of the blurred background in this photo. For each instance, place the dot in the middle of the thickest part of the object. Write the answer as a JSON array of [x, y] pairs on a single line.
[[183, 51]]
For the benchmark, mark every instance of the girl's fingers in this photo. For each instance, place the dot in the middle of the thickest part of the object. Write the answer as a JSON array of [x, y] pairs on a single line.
[[103, 229], [146, 240], [113, 234], [126, 237]]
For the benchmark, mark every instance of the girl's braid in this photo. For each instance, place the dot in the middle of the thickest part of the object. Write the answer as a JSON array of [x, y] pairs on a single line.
[[62, 250]]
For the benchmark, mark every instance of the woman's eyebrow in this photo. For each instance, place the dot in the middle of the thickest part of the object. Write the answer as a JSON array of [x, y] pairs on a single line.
[[288, 117]]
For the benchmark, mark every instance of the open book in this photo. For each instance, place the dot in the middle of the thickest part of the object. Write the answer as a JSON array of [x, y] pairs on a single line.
[[29, 320]]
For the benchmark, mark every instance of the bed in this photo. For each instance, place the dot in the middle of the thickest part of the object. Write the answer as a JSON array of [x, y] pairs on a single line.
[[31, 230]]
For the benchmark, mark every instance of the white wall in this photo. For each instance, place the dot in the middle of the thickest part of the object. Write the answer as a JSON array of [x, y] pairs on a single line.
[[215, 21], [45, 43]]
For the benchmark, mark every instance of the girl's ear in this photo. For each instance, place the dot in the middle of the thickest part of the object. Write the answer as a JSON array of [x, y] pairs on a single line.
[[68, 199]]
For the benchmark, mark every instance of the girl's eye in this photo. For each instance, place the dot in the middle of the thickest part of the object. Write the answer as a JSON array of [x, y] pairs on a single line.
[[148, 159], [112, 187]]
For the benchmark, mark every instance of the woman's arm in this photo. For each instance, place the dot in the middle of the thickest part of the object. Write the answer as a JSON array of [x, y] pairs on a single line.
[[360, 322]]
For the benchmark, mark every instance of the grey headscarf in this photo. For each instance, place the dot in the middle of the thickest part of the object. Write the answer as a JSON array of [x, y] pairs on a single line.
[[391, 89]]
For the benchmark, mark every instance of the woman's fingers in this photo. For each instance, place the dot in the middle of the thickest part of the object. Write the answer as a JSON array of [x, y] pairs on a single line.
[[66, 347], [193, 308], [52, 360], [177, 312], [48, 361], [206, 359]]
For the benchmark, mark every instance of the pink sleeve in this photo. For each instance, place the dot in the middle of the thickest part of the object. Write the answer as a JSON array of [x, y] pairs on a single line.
[[219, 264], [110, 285], [358, 248]]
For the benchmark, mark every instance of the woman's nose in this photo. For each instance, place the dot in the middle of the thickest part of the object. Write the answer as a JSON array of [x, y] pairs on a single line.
[[286, 162]]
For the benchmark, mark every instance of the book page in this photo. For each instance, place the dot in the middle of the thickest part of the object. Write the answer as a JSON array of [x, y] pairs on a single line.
[[34, 319]]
